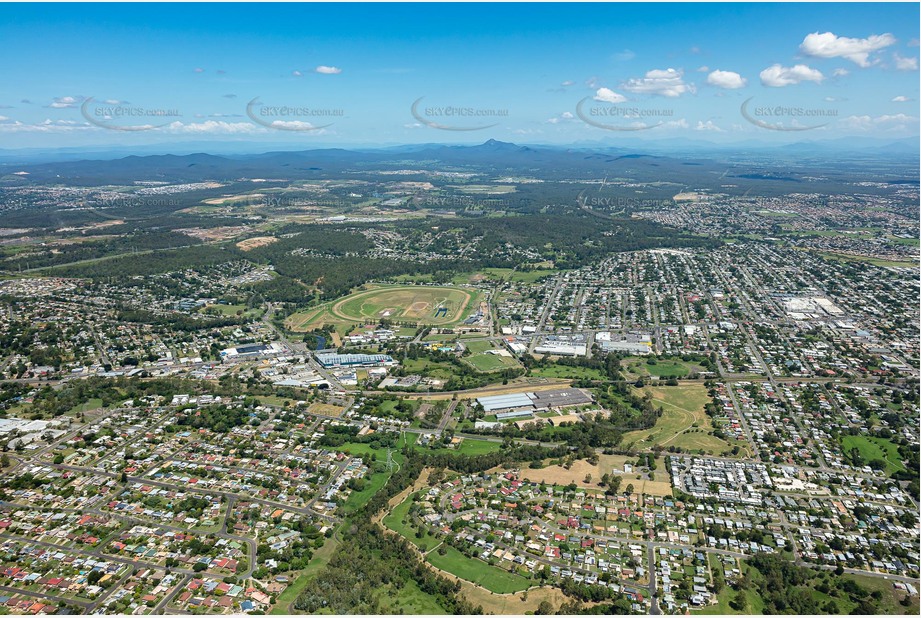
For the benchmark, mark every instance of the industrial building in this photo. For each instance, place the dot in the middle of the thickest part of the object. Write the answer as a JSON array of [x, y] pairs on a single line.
[[626, 343], [354, 360], [252, 350], [515, 405]]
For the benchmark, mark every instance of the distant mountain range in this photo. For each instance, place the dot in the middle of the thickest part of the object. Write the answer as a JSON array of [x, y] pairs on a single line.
[[576, 161], [680, 145]]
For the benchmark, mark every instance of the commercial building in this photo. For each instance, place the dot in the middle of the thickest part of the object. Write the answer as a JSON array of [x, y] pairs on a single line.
[[353, 360], [529, 403], [252, 350]]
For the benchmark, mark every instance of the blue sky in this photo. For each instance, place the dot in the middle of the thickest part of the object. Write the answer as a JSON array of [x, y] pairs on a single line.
[[349, 74]]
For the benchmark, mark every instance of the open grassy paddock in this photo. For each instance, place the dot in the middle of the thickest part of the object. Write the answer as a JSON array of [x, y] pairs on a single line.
[[871, 447], [683, 422]]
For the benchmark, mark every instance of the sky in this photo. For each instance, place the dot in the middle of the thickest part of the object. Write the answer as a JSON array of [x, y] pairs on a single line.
[[382, 74]]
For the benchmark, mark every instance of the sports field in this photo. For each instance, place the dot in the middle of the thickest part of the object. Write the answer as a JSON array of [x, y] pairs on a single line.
[[417, 304]]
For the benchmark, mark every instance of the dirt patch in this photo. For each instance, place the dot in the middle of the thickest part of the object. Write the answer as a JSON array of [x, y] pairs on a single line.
[[325, 409], [607, 464], [417, 310], [253, 243]]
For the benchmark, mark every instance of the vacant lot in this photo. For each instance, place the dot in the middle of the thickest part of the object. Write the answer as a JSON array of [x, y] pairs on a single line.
[[254, 243], [325, 409], [607, 464], [871, 448], [661, 368], [683, 422]]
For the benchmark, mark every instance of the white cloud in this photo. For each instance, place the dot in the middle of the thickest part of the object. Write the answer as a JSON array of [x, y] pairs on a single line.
[[905, 64], [199, 70], [562, 117], [828, 45], [840, 72], [901, 99], [726, 79], [65, 102], [325, 70], [214, 127], [703, 69], [591, 82], [3, 118], [886, 122], [707, 126], [664, 82], [296, 73], [609, 96], [567, 83], [681, 123], [777, 76]]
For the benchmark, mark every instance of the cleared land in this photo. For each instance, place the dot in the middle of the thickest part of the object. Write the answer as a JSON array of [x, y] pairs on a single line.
[[683, 422], [253, 243], [607, 464]]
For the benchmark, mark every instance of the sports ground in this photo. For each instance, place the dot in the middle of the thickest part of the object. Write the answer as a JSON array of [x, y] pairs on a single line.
[[415, 304]]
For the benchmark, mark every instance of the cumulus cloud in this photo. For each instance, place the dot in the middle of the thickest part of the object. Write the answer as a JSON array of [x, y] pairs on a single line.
[[663, 82], [886, 122], [707, 126], [214, 127], [607, 95], [325, 70], [901, 99], [840, 72], [777, 76], [561, 118], [681, 123], [703, 69], [46, 126], [905, 64], [65, 102], [829, 45], [726, 79]]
